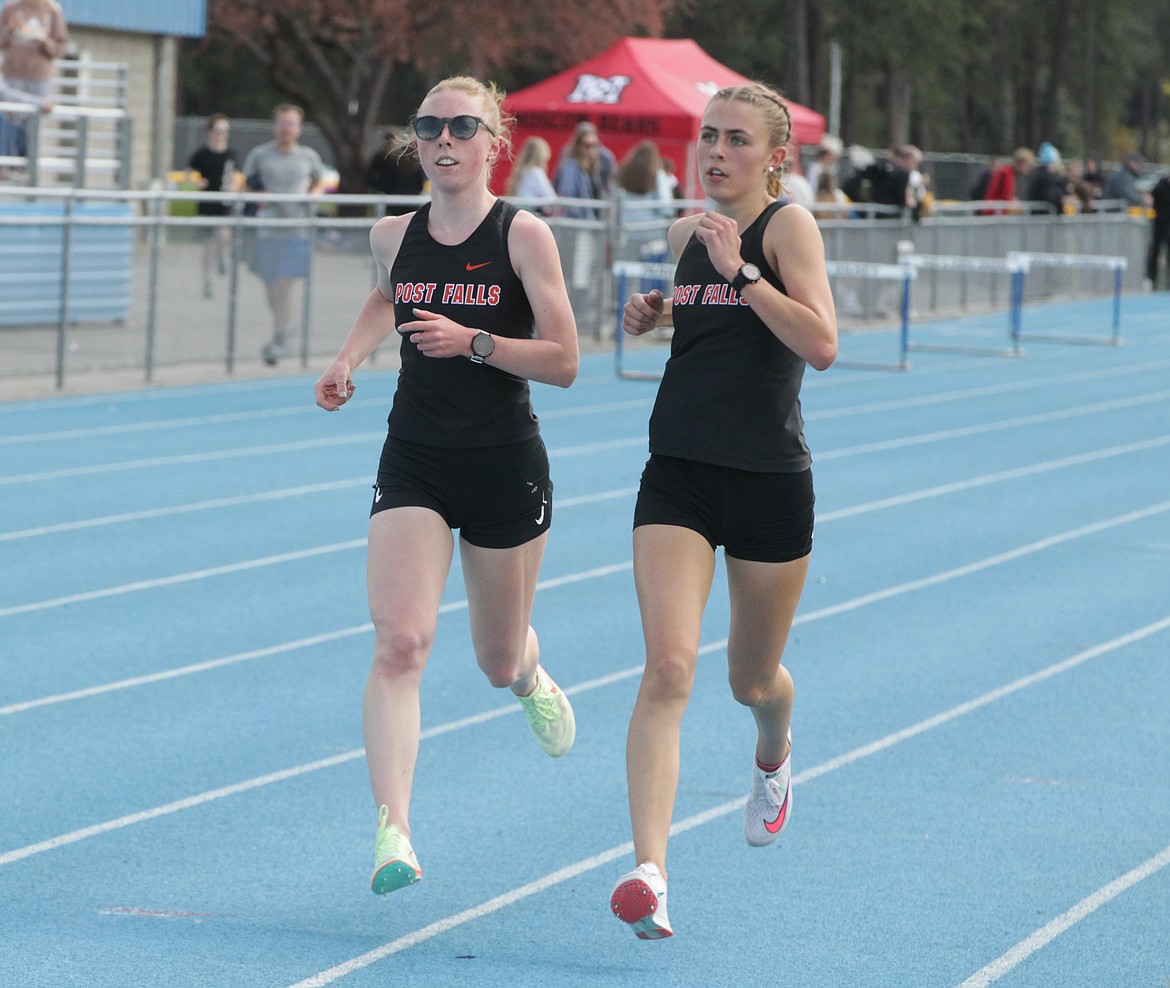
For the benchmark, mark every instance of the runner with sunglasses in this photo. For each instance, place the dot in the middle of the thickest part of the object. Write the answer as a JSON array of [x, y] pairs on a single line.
[[474, 286]]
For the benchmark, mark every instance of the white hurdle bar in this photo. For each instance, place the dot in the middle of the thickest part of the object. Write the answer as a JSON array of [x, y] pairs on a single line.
[[881, 272], [1012, 266], [624, 271], [1030, 259]]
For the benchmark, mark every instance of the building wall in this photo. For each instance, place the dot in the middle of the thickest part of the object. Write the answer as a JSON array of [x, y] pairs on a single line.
[[182, 17], [152, 65]]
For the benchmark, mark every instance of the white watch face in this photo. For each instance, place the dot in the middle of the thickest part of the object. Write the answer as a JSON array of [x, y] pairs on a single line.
[[750, 272]]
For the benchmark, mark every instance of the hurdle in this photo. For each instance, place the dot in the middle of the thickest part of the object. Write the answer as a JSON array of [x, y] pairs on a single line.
[[1029, 259], [626, 272], [880, 272], [1011, 265]]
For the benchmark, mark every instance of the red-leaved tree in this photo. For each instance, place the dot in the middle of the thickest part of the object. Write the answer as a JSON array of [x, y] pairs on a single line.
[[335, 57]]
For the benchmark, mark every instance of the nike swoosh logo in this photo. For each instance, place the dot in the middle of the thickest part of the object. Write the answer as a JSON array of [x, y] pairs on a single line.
[[473, 267], [775, 825], [377, 494], [540, 517]]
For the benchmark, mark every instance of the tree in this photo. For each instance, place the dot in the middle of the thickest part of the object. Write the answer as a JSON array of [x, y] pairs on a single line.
[[336, 57]]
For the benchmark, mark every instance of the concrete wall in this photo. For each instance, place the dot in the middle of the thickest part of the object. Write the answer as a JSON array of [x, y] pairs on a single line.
[[153, 78]]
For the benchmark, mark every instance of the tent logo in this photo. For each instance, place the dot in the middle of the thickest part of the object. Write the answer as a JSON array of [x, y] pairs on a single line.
[[598, 89]]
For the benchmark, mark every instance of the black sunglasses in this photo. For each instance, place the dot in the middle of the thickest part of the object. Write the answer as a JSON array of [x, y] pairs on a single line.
[[462, 127]]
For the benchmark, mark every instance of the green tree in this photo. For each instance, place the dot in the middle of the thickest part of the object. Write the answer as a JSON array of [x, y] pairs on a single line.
[[337, 58]]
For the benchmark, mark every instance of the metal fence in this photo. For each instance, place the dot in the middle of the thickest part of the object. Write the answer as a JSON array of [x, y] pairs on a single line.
[[94, 280]]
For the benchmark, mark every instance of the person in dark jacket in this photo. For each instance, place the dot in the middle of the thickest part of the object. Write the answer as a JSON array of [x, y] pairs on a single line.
[[1048, 183], [1161, 230]]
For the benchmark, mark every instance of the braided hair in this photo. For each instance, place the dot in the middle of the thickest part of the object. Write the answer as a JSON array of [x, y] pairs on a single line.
[[776, 116]]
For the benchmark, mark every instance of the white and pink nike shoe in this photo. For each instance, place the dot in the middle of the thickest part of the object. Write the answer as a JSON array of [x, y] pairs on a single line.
[[769, 807], [639, 898]]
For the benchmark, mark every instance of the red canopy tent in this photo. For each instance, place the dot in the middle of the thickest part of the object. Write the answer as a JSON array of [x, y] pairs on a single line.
[[639, 88]]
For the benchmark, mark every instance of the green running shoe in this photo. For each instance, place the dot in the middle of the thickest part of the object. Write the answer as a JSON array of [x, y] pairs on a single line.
[[395, 865], [550, 715]]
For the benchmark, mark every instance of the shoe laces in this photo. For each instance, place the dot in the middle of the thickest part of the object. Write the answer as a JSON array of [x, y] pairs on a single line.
[[769, 787], [540, 706], [390, 842]]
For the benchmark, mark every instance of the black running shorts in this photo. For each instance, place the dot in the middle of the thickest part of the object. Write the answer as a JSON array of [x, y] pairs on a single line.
[[762, 517], [498, 497]]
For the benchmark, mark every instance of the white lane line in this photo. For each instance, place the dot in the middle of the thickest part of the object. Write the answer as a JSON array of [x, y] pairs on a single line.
[[588, 864], [896, 501], [1039, 939], [865, 751], [168, 581], [209, 457], [971, 483], [259, 653], [802, 618], [986, 391], [180, 509], [623, 443], [248, 785], [244, 499], [585, 449], [156, 425], [982, 428], [161, 393]]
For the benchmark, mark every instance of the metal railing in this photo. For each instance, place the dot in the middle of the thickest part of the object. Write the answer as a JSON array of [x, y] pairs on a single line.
[[86, 139], [97, 280]]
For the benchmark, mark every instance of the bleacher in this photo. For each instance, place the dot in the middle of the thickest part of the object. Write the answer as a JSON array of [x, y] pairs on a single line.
[[85, 141]]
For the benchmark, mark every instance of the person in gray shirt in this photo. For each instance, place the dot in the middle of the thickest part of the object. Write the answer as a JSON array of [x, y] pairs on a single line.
[[1122, 184], [282, 253]]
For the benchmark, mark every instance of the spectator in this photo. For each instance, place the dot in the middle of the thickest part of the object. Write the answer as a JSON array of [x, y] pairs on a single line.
[[676, 189], [282, 254], [586, 170], [529, 178], [883, 183], [33, 35], [1048, 183], [1080, 196], [796, 188], [645, 195], [829, 192], [393, 173], [1092, 176], [826, 161], [978, 191], [1122, 184], [1161, 229], [216, 164], [919, 199], [1007, 178]]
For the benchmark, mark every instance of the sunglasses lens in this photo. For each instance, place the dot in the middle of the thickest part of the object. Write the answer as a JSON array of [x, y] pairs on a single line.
[[427, 128], [464, 127]]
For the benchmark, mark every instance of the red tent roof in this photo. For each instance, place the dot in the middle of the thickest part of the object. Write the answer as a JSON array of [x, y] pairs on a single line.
[[641, 87]]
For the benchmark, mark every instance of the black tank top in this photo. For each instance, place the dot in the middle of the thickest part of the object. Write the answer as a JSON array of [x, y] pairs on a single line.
[[453, 402], [730, 393]]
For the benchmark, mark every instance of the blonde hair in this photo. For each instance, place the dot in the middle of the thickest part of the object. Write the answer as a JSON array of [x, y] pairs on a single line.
[[534, 153], [777, 119], [497, 119]]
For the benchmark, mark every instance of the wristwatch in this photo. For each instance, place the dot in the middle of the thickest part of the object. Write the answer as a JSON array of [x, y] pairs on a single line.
[[748, 274], [482, 346]]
